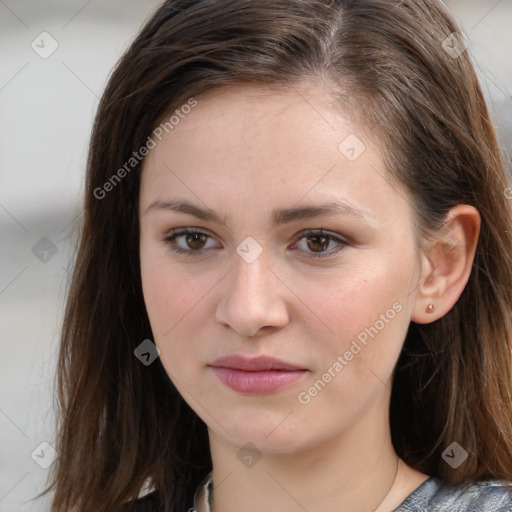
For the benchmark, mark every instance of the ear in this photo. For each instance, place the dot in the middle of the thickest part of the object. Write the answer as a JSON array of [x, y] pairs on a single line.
[[446, 264]]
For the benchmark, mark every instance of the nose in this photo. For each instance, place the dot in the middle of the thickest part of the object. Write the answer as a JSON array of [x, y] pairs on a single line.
[[253, 301]]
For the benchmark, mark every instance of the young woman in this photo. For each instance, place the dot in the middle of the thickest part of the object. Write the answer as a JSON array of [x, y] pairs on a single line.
[[294, 281]]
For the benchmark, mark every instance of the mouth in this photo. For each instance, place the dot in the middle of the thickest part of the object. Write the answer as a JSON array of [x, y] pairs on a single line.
[[256, 376]]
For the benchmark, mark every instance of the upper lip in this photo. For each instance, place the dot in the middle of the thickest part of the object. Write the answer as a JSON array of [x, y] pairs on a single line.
[[254, 364]]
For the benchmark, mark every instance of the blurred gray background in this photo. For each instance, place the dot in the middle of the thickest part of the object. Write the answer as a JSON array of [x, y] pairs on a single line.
[[55, 59]]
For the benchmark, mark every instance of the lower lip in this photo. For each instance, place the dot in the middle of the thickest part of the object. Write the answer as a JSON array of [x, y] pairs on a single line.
[[257, 383]]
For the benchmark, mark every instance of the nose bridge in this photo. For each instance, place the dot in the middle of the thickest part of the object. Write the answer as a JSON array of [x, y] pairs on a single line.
[[252, 300], [250, 277]]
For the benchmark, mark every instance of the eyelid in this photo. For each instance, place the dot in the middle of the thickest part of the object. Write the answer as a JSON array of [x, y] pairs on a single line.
[[170, 237], [319, 232]]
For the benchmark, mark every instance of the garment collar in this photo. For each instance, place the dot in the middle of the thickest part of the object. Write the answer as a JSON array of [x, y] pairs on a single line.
[[203, 496]]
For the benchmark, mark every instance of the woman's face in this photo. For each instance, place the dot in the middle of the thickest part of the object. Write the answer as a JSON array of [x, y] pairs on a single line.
[[257, 174]]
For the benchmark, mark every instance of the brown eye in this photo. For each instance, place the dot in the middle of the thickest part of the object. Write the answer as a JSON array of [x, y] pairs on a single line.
[[196, 240], [188, 241], [318, 243]]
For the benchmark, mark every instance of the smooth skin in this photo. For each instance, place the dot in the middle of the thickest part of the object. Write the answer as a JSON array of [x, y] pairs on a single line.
[[243, 152]]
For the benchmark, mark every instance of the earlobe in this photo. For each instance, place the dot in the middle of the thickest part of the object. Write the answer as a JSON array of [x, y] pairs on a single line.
[[447, 265]]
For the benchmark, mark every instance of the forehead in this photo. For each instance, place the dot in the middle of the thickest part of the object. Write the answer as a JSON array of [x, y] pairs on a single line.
[[265, 146]]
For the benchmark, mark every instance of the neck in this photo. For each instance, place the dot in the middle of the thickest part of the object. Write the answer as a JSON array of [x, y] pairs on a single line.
[[356, 471]]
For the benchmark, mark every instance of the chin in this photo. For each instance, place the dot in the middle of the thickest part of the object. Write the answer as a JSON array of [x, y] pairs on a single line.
[[266, 431]]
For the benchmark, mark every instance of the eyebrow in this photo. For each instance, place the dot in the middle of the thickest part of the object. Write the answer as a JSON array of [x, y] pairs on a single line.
[[279, 217]]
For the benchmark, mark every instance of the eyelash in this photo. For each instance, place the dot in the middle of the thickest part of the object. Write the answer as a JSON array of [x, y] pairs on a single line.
[[170, 240]]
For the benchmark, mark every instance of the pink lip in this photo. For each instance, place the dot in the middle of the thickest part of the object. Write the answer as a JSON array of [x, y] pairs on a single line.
[[257, 375]]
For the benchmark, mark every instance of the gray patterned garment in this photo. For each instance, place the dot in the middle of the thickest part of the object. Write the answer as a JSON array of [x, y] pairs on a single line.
[[430, 496]]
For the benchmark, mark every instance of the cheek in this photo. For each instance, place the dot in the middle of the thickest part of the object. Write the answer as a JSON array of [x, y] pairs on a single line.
[[174, 299], [353, 366], [170, 298], [362, 313], [164, 292]]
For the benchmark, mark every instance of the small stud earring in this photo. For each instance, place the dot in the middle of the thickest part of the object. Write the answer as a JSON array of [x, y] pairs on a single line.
[[430, 308]]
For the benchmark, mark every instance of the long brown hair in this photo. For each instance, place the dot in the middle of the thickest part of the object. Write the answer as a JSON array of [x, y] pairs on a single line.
[[122, 423]]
